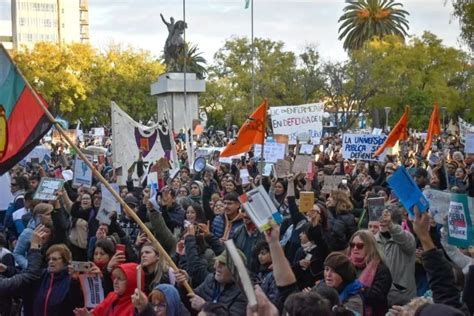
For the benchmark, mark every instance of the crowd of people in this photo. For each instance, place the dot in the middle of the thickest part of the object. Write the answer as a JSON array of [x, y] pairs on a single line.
[[331, 260]]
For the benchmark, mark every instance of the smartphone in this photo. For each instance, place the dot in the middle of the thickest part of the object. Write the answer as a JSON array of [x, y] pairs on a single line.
[[120, 247], [81, 266]]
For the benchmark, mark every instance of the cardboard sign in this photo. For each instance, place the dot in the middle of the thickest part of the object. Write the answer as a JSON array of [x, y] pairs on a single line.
[[271, 151], [48, 188], [362, 147], [301, 163], [82, 173], [282, 168], [108, 204], [259, 206], [306, 201], [375, 207], [439, 204], [296, 119], [306, 149], [92, 290], [331, 183]]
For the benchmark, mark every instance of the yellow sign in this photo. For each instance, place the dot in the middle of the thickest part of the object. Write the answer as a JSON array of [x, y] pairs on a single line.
[[3, 132]]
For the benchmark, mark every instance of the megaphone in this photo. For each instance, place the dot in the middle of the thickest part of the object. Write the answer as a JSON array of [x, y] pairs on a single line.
[[201, 165]]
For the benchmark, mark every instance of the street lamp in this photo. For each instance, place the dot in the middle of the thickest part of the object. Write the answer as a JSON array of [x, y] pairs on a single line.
[[387, 111]]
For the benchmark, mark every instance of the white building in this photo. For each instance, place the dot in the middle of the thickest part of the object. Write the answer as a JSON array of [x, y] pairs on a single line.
[[31, 21]]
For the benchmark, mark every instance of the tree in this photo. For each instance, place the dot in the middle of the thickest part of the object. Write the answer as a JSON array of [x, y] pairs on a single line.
[[79, 82], [195, 62], [418, 73], [364, 19], [464, 11]]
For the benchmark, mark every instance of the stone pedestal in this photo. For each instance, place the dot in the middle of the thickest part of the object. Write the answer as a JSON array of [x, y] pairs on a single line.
[[170, 91]]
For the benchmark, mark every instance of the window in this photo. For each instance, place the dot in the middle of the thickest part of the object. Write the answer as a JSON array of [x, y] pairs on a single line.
[[29, 37], [22, 21], [47, 23]]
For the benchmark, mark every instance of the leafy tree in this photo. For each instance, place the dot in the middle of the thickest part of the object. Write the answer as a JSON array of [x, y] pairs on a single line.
[[195, 62], [364, 19], [464, 11], [79, 82]]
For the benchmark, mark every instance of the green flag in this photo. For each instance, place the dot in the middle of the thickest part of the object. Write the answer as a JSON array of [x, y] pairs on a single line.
[[247, 3]]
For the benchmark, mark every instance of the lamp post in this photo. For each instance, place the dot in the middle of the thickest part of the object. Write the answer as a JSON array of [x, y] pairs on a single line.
[[387, 111]]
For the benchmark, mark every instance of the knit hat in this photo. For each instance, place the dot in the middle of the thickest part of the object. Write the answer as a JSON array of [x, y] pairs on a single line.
[[199, 184], [341, 264]]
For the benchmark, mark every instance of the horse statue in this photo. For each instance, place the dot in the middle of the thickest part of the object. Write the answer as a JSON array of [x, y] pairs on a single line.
[[174, 45]]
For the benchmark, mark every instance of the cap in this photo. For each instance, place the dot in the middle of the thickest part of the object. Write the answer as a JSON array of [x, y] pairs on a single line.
[[223, 257], [130, 199]]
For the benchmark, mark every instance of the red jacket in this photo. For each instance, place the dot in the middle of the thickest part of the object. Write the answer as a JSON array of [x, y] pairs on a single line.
[[114, 305]]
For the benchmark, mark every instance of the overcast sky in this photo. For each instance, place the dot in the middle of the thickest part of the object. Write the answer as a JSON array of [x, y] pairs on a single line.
[[297, 23]]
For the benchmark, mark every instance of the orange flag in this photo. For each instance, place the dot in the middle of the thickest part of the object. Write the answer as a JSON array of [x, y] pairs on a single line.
[[433, 129], [252, 132], [400, 131]]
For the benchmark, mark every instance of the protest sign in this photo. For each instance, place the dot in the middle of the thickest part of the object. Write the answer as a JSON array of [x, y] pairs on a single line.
[[271, 151], [40, 152], [301, 163], [48, 188], [407, 191], [67, 174], [306, 149], [469, 144], [331, 183], [108, 204], [282, 168], [259, 206], [377, 131], [244, 175], [92, 290], [375, 207], [306, 201], [465, 128], [439, 204], [296, 119], [362, 146], [281, 139], [57, 137], [82, 173], [98, 131], [6, 197], [459, 221]]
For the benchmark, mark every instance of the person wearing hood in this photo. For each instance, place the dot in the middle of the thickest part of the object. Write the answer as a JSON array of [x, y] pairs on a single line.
[[340, 274], [56, 293], [196, 191], [164, 300], [118, 302]]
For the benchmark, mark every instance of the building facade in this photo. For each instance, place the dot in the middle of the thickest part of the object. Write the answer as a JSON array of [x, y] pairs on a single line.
[[58, 21]]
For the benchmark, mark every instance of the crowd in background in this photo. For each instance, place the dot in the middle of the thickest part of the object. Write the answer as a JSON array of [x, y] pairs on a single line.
[[331, 260]]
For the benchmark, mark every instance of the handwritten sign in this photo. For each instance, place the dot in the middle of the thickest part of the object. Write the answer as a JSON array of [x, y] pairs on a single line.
[[271, 151], [108, 204], [469, 144], [48, 188], [306, 149], [301, 163], [82, 173], [296, 119], [459, 222], [282, 168], [362, 146], [306, 201], [92, 289], [331, 183]]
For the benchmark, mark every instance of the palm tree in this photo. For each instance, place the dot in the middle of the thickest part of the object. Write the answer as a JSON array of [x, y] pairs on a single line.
[[364, 19], [195, 62]]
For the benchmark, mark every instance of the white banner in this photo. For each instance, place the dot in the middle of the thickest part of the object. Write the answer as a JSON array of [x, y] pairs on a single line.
[[362, 146], [82, 173], [92, 290], [465, 128], [296, 120], [130, 136]]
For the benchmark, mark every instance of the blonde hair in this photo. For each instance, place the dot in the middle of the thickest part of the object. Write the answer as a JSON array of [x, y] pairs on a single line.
[[159, 268], [372, 251], [342, 200]]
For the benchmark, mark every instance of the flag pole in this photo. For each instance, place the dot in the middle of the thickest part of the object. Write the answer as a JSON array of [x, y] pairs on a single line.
[[263, 143], [253, 58], [126, 208]]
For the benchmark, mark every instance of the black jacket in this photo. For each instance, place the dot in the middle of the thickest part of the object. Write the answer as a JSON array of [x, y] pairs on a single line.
[[441, 280], [376, 295], [468, 293], [18, 282], [342, 226]]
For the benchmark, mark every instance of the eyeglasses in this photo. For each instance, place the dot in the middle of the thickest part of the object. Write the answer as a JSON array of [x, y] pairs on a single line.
[[357, 245]]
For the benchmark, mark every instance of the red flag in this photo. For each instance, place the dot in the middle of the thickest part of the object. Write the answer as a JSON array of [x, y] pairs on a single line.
[[252, 132], [434, 128], [400, 131]]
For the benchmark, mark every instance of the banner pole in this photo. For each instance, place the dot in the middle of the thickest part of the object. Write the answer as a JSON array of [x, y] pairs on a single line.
[[263, 143], [126, 208]]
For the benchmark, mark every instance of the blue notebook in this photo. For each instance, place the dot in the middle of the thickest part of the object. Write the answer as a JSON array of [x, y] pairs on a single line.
[[407, 191]]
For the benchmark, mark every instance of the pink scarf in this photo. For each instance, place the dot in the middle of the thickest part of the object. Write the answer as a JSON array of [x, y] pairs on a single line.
[[367, 275]]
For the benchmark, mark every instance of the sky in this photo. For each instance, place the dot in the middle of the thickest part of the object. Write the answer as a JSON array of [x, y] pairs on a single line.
[[297, 23]]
